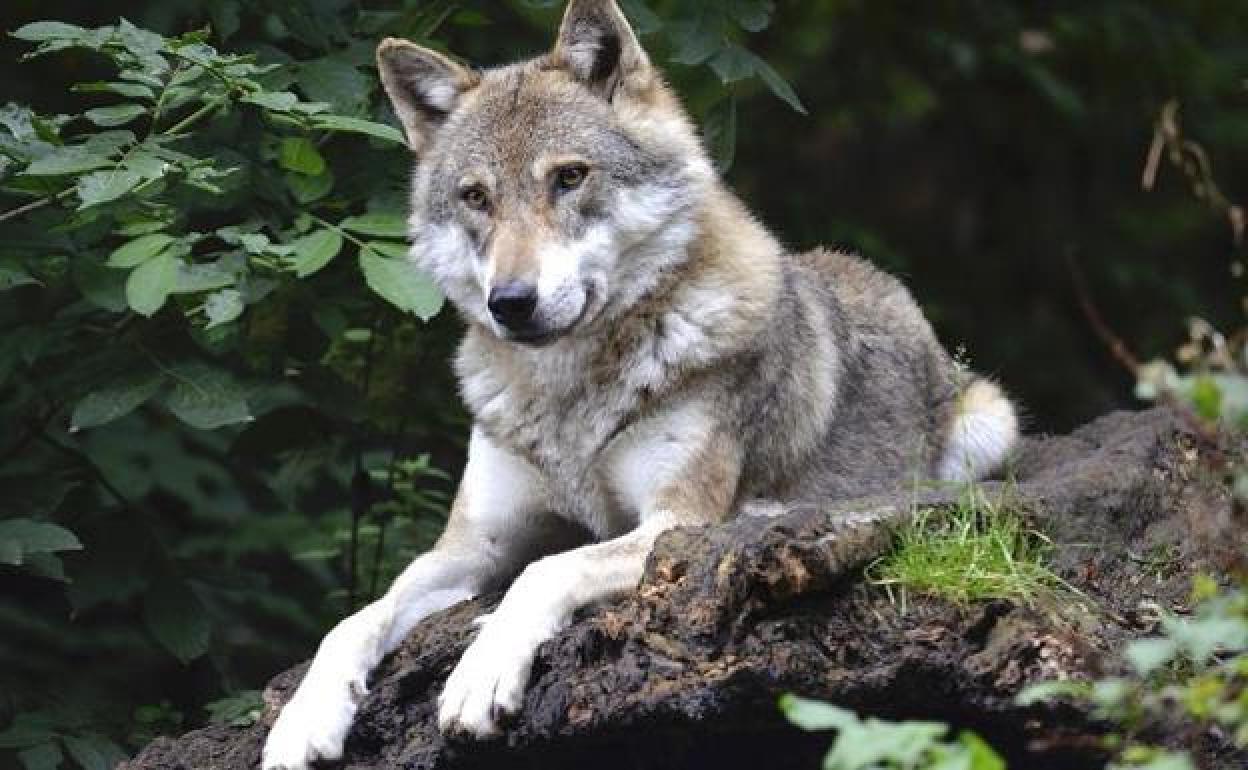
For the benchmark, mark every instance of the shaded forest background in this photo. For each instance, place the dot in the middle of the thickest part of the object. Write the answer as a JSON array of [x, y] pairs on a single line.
[[972, 148]]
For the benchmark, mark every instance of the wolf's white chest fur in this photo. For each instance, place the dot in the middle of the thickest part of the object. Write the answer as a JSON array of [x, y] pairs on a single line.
[[599, 432]]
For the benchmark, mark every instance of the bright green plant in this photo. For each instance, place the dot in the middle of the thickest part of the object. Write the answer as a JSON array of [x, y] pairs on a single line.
[[876, 744], [1195, 672], [974, 550]]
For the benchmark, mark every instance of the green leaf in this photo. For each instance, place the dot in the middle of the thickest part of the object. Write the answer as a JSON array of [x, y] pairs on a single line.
[[877, 743], [105, 186], [19, 121], [1148, 655], [11, 277], [29, 728], [45, 565], [146, 164], [1165, 760], [40, 31], [307, 189], [644, 20], [206, 397], [177, 618], [202, 276], [983, 756], [241, 710], [358, 126], [141, 249], [314, 251], [1206, 396], [31, 536], [752, 15], [380, 225], [223, 306], [94, 752], [1046, 691], [816, 715], [300, 155], [150, 285], [45, 756], [129, 90], [734, 63], [68, 160], [115, 399], [695, 43], [1201, 637], [117, 115], [393, 249], [277, 101], [100, 285], [401, 283], [778, 85], [338, 82]]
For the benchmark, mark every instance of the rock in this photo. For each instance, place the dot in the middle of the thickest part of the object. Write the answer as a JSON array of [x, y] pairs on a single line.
[[686, 672]]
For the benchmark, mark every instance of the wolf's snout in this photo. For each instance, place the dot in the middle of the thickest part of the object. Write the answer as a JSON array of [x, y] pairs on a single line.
[[512, 304]]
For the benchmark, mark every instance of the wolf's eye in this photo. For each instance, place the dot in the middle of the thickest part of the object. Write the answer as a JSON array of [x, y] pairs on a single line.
[[570, 177], [474, 197]]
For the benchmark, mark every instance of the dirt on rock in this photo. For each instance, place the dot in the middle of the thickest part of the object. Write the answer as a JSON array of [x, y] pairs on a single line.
[[685, 673]]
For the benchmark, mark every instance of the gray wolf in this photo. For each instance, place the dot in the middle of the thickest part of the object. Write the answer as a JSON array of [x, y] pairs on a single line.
[[640, 354]]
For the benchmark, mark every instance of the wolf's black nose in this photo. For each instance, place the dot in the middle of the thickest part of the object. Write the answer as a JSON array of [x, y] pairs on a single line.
[[512, 304]]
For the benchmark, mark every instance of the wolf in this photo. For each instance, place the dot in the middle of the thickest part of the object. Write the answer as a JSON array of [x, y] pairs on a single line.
[[640, 353]]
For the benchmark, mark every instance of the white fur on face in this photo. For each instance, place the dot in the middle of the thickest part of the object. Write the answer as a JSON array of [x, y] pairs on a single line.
[[566, 271], [445, 252]]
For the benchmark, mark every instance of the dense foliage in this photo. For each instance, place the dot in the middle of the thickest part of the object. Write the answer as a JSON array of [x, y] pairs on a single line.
[[220, 374], [227, 412]]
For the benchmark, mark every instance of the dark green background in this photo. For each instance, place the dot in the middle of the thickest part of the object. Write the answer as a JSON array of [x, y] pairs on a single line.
[[973, 148], [942, 150]]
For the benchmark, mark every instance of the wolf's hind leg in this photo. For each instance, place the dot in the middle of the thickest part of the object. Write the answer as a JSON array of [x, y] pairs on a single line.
[[983, 431]]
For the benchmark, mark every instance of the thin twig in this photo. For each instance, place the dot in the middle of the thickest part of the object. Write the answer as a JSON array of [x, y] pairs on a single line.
[[35, 427], [35, 205], [380, 551], [103, 481], [1130, 361], [194, 117], [360, 483], [1116, 346]]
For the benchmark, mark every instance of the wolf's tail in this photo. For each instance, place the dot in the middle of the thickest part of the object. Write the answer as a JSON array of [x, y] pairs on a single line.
[[984, 429]]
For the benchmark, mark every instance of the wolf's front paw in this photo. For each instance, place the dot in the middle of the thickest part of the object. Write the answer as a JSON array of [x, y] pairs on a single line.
[[311, 727], [488, 683]]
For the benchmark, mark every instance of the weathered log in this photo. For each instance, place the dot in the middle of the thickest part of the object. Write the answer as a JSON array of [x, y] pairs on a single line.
[[685, 672]]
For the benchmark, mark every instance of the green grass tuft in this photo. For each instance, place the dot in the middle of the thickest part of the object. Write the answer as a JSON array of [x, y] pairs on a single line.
[[979, 549]]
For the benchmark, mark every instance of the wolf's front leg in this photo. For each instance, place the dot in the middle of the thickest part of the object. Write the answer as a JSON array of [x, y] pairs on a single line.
[[674, 481], [497, 524]]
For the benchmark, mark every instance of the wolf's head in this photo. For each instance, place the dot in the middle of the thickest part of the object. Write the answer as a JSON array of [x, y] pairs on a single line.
[[552, 193]]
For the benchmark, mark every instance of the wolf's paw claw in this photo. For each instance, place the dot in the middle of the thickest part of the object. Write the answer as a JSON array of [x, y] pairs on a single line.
[[488, 684]]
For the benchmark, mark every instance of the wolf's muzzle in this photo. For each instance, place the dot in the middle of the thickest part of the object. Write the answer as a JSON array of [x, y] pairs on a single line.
[[512, 305]]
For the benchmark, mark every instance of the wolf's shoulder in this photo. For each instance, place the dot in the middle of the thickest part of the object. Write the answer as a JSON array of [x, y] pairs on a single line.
[[854, 279], [863, 290]]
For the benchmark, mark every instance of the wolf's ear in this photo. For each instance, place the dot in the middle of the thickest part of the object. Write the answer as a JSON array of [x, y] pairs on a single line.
[[423, 86], [597, 45]]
